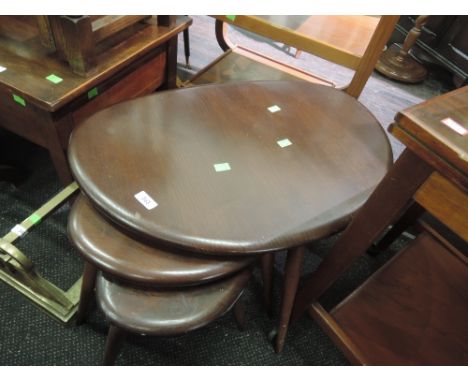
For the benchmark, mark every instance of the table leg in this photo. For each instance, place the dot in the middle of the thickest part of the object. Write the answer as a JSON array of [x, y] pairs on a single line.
[[171, 64], [292, 274], [56, 151], [411, 215], [87, 289], [114, 341], [384, 205], [267, 265]]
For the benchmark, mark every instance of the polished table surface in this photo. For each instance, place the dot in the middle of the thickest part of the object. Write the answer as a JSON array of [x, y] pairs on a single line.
[[268, 197]]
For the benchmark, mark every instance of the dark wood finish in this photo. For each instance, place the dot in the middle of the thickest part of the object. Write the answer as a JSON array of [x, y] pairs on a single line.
[[114, 340], [239, 314], [396, 63], [443, 43], [427, 325], [187, 48], [76, 38], [269, 200], [409, 218], [47, 113], [292, 275], [87, 291], [168, 312], [396, 189], [446, 202], [267, 267], [110, 250], [421, 319], [165, 312], [420, 128]]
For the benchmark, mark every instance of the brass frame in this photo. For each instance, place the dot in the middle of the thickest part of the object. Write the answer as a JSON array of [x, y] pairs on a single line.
[[18, 271]]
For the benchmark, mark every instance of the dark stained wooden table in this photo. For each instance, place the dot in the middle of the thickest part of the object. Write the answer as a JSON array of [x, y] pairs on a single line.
[[232, 169], [45, 112], [271, 197]]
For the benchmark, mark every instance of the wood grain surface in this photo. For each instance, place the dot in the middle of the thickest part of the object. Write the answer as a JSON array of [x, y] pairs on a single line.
[[271, 198]]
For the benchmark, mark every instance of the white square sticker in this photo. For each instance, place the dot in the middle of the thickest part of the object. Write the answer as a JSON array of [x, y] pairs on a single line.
[[19, 230], [274, 109], [2, 68], [220, 167], [284, 143], [146, 200], [455, 126]]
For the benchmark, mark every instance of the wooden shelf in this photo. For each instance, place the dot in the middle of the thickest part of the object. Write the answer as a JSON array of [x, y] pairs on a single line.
[[412, 311]]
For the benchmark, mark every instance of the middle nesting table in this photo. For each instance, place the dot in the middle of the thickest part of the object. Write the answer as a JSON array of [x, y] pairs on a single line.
[[234, 169]]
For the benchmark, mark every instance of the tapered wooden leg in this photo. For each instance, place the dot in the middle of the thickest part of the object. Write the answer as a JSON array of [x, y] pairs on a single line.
[[187, 47], [239, 314], [114, 341], [87, 289], [292, 274], [267, 265]]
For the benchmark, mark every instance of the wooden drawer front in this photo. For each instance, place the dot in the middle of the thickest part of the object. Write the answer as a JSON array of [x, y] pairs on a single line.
[[26, 121], [144, 80]]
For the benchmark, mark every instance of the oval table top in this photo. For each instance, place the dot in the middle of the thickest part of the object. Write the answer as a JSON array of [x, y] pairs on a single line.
[[113, 252], [232, 168]]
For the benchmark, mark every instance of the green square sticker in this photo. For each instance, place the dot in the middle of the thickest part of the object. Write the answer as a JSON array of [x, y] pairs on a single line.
[[35, 218], [92, 93], [54, 79], [19, 100], [231, 17]]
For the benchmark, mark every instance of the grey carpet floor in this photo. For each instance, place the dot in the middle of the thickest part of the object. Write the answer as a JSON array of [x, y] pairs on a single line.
[[30, 337]]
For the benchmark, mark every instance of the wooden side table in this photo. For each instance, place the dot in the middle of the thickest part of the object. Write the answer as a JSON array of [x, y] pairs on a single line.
[[41, 99], [433, 172]]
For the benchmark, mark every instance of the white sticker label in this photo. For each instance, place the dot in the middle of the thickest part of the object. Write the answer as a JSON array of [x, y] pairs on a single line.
[[220, 167], [2, 68], [19, 230], [274, 109], [455, 126], [146, 200], [284, 143]]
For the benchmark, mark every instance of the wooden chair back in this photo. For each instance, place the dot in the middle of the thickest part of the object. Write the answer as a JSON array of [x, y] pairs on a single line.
[[335, 49]]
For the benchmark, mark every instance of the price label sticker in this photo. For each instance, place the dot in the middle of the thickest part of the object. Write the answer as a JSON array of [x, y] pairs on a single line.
[[19, 230], [19, 100], [274, 109], [146, 200], [455, 126], [284, 143], [35, 218], [221, 167], [54, 79]]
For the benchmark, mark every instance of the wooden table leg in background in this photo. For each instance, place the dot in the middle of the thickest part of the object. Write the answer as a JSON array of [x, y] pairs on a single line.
[[292, 275], [386, 203], [267, 267]]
